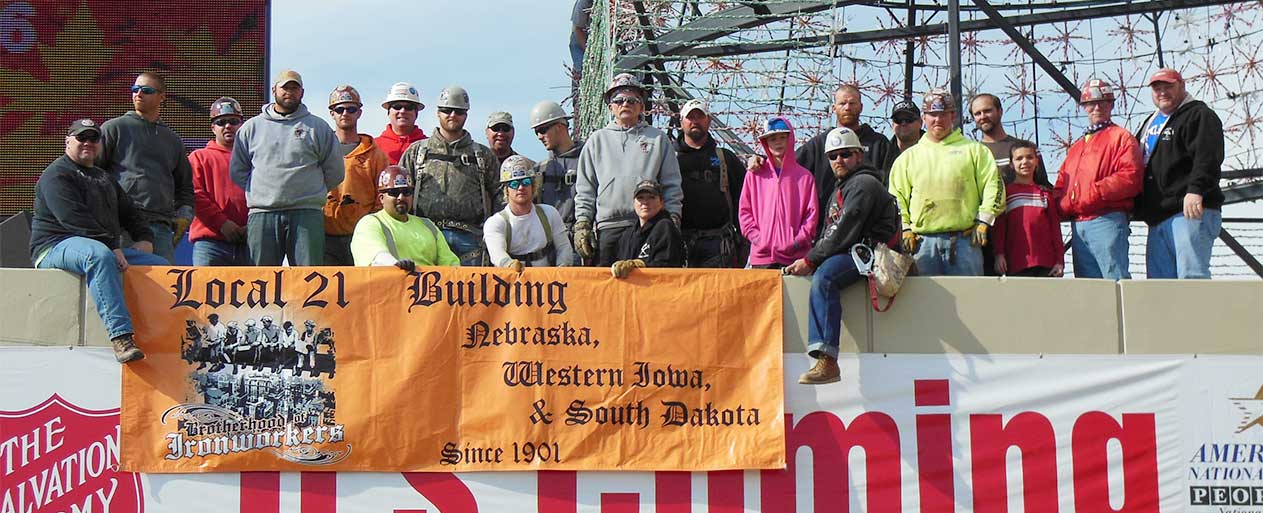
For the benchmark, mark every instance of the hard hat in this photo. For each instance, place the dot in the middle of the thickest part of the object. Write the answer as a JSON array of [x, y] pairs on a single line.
[[345, 94], [840, 138], [403, 92], [516, 167], [250, 323], [232, 325], [938, 100], [309, 323], [546, 112], [774, 125], [453, 97], [622, 80], [266, 318], [1096, 90], [225, 106], [393, 177]]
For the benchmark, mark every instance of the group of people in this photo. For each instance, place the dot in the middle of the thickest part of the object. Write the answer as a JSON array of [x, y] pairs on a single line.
[[283, 185], [261, 344]]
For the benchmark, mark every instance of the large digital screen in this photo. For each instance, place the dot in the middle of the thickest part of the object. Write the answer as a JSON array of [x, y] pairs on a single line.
[[62, 60]]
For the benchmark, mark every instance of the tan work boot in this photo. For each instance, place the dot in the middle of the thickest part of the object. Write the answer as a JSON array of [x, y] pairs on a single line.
[[125, 349], [824, 371]]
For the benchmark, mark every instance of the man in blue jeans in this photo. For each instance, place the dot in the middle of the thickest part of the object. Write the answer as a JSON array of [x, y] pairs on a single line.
[[1184, 152], [80, 215], [860, 210]]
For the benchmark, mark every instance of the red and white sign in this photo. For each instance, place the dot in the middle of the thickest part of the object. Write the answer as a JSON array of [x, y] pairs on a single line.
[[908, 433]]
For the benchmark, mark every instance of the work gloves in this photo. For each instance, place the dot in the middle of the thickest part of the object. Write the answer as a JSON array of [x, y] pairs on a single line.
[[583, 239], [908, 242], [622, 268], [978, 234]]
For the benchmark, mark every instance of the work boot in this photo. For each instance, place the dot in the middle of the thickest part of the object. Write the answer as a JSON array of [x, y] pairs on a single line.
[[824, 371], [125, 349]]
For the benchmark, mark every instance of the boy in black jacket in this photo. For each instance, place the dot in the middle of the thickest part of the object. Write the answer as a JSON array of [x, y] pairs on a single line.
[[860, 210], [1184, 152], [656, 242]]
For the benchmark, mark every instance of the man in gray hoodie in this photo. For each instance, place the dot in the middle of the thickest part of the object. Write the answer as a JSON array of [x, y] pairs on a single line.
[[613, 161], [287, 161]]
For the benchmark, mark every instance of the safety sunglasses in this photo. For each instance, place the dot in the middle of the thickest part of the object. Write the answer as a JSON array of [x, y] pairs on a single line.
[[845, 154], [398, 193], [144, 89], [404, 106], [544, 129], [88, 137], [450, 111], [524, 182], [227, 122], [629, 100], [903, 121], [349, 109], [502, 129]]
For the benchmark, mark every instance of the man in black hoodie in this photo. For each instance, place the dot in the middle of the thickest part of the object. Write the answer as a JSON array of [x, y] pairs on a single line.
[[860, 210], [1184, 151], [711, 180]]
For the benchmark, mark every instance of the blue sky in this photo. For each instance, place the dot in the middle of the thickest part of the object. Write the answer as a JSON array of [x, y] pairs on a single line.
[[509, 54]]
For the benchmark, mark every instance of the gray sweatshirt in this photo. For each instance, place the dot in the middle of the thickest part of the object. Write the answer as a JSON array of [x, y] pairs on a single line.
[[149, 162], [614, 159], [286, 162]]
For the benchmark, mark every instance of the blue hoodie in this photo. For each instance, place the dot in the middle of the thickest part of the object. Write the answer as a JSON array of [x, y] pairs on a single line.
[[286, 162]]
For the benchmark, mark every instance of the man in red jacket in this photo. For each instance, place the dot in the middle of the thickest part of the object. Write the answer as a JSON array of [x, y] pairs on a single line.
[[402, 105], [1097, 185], [218, 231]]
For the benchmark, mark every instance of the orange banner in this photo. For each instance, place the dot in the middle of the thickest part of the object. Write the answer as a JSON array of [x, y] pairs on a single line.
[[450, 369]]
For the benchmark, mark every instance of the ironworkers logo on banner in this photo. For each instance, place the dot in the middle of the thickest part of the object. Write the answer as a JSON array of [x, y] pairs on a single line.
[[59, 457]]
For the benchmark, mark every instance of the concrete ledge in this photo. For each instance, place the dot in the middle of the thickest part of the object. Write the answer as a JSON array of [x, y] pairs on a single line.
[[39, 307], [1207, 317]]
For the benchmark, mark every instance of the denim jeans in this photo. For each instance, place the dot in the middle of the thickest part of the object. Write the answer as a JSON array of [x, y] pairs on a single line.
[[576, 53], [948, 254], [466, 246], [1100, 247], [1180, 248], [220, 253], [163, 246], [297, 234], [95, 262], [824, 319]]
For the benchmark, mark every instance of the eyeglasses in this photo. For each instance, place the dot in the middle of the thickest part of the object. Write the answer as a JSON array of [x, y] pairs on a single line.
[[629, 100], [88, 137], [229, 121], [903, 121], [502, 129], [402, 192], [524, 182], [144, 89], [544, 129], [845, 154], [350, 109], [404, 106], [452, 112]]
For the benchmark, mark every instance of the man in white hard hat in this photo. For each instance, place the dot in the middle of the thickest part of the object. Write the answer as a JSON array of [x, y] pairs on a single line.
[[711, 179], [859, 210], [456, 178], [357, 195], [500, 132], [524, 234], [615, 159], [402, 105], [557, 173]]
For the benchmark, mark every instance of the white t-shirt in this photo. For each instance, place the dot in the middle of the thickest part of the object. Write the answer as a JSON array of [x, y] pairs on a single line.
[[528, 237]]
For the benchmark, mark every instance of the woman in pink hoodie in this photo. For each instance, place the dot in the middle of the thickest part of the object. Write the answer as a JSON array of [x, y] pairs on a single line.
[[778, 202]]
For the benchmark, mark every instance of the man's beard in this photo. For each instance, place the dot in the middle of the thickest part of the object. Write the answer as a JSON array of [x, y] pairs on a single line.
[[696, 134]]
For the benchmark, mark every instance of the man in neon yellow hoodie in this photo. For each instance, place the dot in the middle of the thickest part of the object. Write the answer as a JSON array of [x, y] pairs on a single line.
[[949, 192]]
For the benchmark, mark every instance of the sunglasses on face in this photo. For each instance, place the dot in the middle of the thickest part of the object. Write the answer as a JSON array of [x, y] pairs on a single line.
[[398, 193], [845, 154], [904, 121], [144, 89], [350, 109], [502, 129], [544, 129], [524, 182], [227, 122], [403, 106], [452, 112], [88, 137], [629, 100]]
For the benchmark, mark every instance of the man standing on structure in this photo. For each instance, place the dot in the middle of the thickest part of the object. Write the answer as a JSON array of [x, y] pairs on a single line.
[[218, 231], [500, 133], [711, 179], [557, 173], [402, 106], [356, 196]]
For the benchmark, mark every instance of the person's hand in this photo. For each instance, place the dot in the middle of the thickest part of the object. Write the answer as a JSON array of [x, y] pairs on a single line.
[[622, 268], [800, 267], [233, 232], [1001, 265], [1057, 271], [516, 265], [181, 226], [978, 234], [143, 246], [406, 265], [120, 260], [754, 162], [583, 239], [908, 242], [1193, 208]]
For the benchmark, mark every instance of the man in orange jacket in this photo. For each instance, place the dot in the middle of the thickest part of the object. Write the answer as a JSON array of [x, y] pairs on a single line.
[[1097, 185], [218, 231], [357, 195]]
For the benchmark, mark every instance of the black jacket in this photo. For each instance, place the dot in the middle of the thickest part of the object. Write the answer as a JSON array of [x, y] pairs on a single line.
[[1187, 157], [658, 243], [705, 207], [74, 201], [559, 172], [811, 156], [866, 213]]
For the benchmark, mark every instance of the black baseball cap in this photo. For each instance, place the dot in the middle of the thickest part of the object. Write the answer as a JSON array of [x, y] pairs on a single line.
[[905, 106], [83, 125], [649, 186]]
